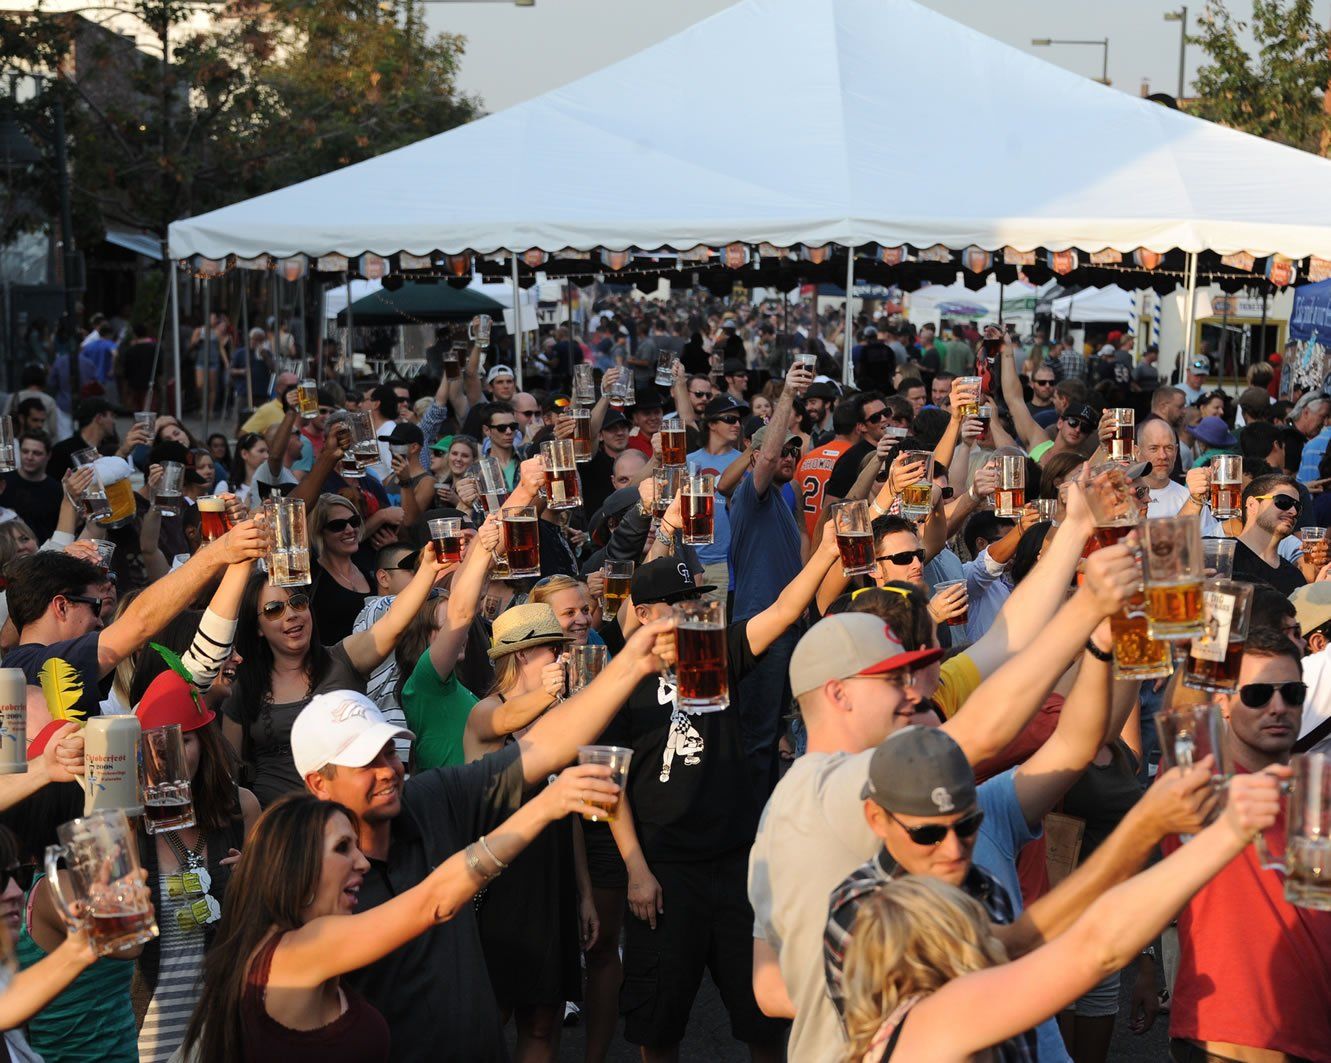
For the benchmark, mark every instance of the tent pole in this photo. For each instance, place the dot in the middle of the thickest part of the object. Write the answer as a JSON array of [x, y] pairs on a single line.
[[351, 324], [1190, 310], [175, 335], [848, 325], [249, 349], [517, 322], [207, 355]]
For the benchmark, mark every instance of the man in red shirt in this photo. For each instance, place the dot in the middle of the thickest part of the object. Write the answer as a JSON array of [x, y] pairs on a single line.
[[1254, 976]]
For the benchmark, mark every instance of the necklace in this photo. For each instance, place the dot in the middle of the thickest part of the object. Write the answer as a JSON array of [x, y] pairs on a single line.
[[190, 884]]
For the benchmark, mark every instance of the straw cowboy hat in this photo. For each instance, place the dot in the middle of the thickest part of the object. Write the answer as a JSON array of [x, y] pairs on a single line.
[[524, 626]]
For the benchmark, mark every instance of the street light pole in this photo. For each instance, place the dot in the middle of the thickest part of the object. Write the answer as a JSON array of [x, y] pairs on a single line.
[[1045, 42], [1181, 17]]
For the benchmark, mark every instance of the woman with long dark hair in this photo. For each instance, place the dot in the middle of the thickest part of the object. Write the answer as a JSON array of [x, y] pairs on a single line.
[[251, 456], [271, 986], [188, 869], [286, 664]]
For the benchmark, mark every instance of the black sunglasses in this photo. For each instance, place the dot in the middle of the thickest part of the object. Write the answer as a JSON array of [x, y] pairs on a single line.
[[1256, 695], [299, 602], [1078, 423], [874, 418], [507, 426], [1047, 383], [340, 524], [701, 394], [792, 451], [95, 604], [23, 874], [903, 557], [934, 833], [1284, 502], [728, 418]]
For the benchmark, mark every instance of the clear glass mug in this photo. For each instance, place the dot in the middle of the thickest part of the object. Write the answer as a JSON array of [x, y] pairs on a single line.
[[1215, 655], [289, 560], [1218, 558], [104, 891], [168, 802], [1302, 851], [1173, 570], [917, 498], [702, 672], [1190, 734], [854, 537], [1111, 497], [584, 664], [618, 576]]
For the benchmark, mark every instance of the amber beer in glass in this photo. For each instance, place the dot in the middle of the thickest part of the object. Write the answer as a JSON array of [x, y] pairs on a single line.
[[962, 618], [1226, 486], [522, 541], [562, 488], [1172, 566], [1136, 654], [696, 509], [1214, 656], [213, 519], [446, 533], [1010, 498], [971, 407], [618, 580], [674, 441], [1315, 545], [917, 498], [1124, 422], [453, 360], [582, 434], [490, 483], [701, 673], [307, 399], [120, 496], [617, 757], [854, 538]]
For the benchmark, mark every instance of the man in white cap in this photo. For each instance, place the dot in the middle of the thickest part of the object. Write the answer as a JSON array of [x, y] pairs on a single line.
[[434, 991], [501, 383], [1312, 608]]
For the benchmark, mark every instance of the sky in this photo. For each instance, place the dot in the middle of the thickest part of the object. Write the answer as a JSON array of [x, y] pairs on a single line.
[[516, 53]]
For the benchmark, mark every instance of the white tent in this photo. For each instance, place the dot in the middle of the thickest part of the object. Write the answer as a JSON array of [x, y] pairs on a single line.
[[957, 302], [778, 120], [1096, 304]]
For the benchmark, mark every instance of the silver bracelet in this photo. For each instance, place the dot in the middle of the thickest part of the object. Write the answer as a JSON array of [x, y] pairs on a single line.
[[490, 853], [474, 863]]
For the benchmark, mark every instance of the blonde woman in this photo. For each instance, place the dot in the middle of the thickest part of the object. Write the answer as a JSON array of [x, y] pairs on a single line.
[[341, 583], [921, 952], [535, 920]]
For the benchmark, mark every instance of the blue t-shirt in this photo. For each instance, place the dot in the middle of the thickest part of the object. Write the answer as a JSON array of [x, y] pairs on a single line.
[[79, 679], [764, 547], [1002, 836], [716, 464]]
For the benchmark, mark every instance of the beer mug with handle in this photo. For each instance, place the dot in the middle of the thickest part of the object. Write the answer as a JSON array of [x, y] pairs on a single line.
[[1305, 857], [104, 882]]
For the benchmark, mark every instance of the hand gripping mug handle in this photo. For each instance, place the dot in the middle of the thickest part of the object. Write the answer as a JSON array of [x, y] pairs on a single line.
[[1272, 861], [66, 910]]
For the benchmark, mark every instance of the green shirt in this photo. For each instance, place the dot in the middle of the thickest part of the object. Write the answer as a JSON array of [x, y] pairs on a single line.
[[436, 711], [959, 359], [1038, 450]]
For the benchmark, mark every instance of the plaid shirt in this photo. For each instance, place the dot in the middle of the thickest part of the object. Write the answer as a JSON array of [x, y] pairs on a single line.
[[844, 905], [1072, 366]]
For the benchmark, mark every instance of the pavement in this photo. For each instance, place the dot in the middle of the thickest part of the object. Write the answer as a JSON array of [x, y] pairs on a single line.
[[708, 1039]]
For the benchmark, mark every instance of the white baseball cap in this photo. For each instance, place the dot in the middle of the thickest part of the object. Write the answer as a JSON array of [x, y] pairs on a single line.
[[340, 727]]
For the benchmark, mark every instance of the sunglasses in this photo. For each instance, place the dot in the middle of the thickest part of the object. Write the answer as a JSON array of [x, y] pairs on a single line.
[[1256, 695], [729, 418], [341, 524], [1043, 383], [934, 833], [23, 874], [507, 426], [298, 602], [874, 418], [792, 451], [95, 604], [1283, 502], [701, 394], [903, 558], [1077, 423]]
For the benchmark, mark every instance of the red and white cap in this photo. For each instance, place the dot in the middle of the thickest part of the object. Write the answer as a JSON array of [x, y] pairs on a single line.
[[848, 644]]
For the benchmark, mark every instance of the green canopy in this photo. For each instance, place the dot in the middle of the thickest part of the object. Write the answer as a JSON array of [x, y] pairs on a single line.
[[416, 303]]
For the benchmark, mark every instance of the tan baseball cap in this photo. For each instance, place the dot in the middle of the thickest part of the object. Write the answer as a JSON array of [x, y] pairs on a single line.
[[847, 644], [1312, 605]]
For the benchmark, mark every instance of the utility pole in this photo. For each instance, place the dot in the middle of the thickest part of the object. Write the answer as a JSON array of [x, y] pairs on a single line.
[[1181, 17], [68, 257]]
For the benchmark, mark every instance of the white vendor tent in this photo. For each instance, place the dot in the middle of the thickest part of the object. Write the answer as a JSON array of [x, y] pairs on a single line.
[[959, 303], [650, 152], [1096, 304]]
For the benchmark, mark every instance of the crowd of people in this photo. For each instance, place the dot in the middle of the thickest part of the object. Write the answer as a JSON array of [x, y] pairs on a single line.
[[932, 820]]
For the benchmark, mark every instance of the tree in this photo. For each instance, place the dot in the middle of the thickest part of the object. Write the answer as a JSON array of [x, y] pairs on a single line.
[[1279, 91], [271, 92]]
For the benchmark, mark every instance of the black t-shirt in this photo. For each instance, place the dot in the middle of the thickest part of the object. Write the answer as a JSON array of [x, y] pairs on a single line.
[[847, 470], [878, 363], [36, 501], [596, 485], [1286, 578], [62, 456], [688, 783], [137, 366], [434, 990], [77, 674]]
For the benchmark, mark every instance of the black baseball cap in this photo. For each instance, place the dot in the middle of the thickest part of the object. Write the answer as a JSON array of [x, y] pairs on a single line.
[[823, 389], [733, 367], [613, 417], [405, 433], [724, 404], [648, 400], [667, 579], [920, 771], [1082, 412]]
